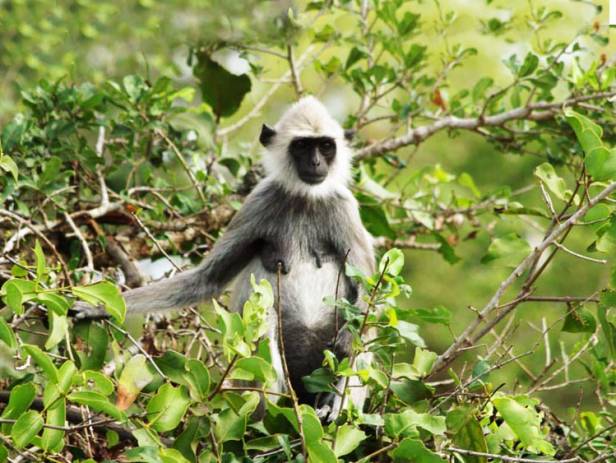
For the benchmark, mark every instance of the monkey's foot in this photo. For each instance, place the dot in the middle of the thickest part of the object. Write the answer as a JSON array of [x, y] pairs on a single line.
[[324, 412]]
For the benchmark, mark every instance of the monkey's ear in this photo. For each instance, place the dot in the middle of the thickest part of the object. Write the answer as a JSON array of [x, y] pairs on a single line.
[[349, 134], [267, 133]]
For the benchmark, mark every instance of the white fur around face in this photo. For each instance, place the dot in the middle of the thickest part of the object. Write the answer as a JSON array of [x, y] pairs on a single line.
[[307, 118]]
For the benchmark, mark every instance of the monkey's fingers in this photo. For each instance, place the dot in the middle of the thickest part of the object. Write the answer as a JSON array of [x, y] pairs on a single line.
[[85, 311]]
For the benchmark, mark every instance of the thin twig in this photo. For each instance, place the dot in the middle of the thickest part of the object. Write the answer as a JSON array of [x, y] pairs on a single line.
[[38, 232], [138, 345], [297, 83], [155, 241], [82, 240], [578, 255], [223, 378], [508, 458], [185, 165], [285, 368]]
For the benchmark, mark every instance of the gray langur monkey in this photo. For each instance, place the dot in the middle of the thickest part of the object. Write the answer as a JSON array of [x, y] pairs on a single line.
[[301, 215]]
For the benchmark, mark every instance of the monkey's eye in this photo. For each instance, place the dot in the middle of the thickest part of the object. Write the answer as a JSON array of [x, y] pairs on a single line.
[[327, 147], [299, 143]]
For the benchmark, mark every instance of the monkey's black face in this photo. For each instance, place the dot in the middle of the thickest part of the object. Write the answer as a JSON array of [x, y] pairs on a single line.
[[312, 157]]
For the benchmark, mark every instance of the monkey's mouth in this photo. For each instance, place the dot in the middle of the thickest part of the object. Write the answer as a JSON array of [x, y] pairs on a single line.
[[313, 179]]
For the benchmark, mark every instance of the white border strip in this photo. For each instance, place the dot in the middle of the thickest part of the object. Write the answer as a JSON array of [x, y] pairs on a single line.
[[612, 21]]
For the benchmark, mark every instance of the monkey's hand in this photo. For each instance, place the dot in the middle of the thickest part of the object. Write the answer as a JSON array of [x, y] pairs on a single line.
[[85, 311], [271, 257]]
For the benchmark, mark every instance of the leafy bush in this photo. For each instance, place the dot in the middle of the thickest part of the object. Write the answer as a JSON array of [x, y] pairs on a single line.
[[97, 176]]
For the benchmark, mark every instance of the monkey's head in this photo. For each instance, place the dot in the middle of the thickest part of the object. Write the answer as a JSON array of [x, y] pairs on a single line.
[[306, 151]]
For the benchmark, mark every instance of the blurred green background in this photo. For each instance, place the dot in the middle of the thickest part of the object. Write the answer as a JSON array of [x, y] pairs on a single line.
[[88, 40]]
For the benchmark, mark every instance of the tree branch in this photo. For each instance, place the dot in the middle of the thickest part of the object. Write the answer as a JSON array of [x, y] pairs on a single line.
[[535, 112], [465, 338]]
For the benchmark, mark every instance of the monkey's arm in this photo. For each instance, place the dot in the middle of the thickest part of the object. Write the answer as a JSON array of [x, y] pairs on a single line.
[[227, 258]]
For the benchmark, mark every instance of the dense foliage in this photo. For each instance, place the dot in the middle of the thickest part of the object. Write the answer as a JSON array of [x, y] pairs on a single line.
[[99, 176]]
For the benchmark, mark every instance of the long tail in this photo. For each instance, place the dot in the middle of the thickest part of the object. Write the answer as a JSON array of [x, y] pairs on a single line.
[[184, 289]]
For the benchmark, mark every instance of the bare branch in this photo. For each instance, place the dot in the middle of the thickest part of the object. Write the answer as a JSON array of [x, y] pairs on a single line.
[[534, 112], [297, 83], [82, 240], [409, 243], [508, 458]]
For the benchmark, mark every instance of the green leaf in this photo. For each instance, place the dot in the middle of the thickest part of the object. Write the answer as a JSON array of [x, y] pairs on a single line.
[[466, 433], [96, 402], [43, 361], [167, 408], [478, 93], [20, 399], [607, 304], [401, 424], [579, 320], [525, 422], [220, 89], [66, 375], [414, 451], [198, 378], [53, 439], [172, 456], [229, 426], [410, 391], [99, 381], [410, 332], [6, 334], [54, 302], [374, 217], [173, 365], [40, 261], [135, 376], [183, 442], [58, 330], [319, 452], [354, 56], [13, 297], [531, 61], [26, 428], [507, 250], [438, 314], [97, 340], [394, 260], [348, 438], [467, 181], [254, 368], [600, 161], [546, 173], [103, 293], [8, 165], [313, 430], [423, 361]]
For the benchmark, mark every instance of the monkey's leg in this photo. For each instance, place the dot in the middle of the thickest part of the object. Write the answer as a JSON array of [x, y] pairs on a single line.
[[355, 393]]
